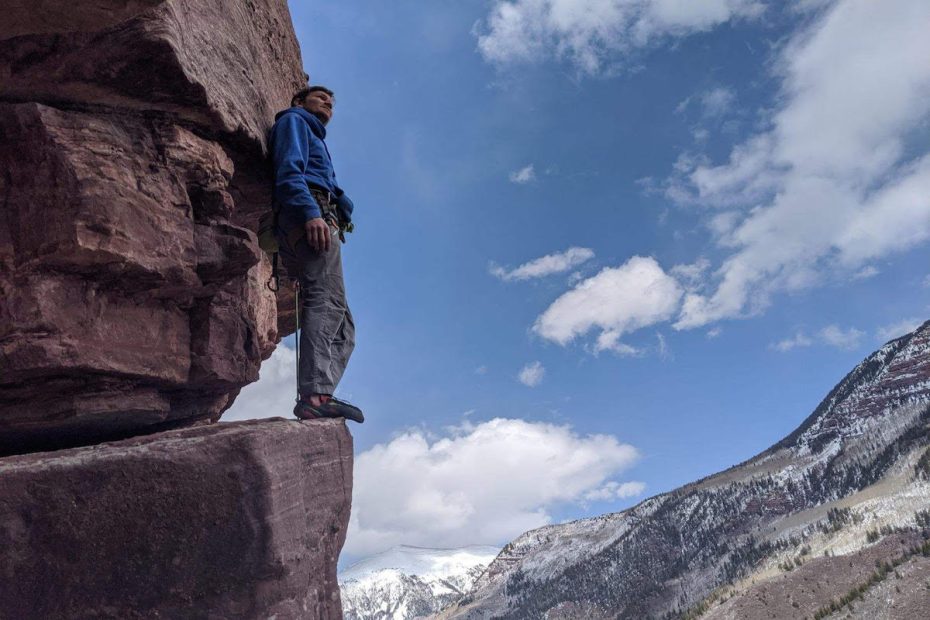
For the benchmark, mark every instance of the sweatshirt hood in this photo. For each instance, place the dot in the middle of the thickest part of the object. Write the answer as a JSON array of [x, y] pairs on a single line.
[[316, 126]]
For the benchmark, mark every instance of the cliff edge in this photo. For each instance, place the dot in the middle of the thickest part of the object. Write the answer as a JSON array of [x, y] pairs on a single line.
[[134, 307]]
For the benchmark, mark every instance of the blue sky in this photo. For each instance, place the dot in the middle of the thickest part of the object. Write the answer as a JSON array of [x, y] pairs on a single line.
[[734, 199]]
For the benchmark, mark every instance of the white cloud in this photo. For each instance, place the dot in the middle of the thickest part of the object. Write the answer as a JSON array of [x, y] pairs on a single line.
[[869, 271], [545, 265], [616, 490], [532, 374], [714, 103], [927, 282], [617, 300], [523, 175], [714, 332], [831, 335], [273, 394], [797, 341], [662, 347], [832, 184], [450, 491], [593, 33], [717, 102], [839, 338], [481, 370], [691, 275], [898, 328]]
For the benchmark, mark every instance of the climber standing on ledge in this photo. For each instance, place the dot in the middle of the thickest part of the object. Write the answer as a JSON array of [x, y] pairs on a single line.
[[313, 213]]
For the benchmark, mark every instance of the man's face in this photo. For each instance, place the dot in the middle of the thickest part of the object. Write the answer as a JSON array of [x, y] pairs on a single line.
[[319, 104]]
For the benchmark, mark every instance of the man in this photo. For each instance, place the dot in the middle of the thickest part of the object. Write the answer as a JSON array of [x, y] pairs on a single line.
[[313, 214]]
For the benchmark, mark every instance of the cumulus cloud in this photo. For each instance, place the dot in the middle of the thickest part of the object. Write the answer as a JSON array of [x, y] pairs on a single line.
[[832, 183], [273, 394], [523, 175], [532, 374], [616, 301], [591, 34], [898, 328], [545, 265], [450, 491]]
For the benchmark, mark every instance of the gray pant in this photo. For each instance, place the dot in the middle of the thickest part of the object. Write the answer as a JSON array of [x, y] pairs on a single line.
[[327, 331]]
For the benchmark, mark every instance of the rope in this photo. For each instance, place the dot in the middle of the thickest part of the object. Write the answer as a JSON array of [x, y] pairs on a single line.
[[297, 335]]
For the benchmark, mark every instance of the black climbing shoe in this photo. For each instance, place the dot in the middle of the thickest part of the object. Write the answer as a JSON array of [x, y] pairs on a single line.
[[333, 408]]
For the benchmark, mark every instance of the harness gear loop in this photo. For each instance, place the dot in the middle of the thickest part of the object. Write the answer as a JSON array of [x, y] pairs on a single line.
[[274, 282]]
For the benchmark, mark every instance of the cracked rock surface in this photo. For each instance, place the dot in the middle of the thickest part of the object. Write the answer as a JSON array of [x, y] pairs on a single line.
[[132, 176]]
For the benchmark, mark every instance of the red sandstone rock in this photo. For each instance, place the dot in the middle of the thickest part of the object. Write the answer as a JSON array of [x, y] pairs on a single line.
[[132, 176], [228, 66], [240, 520]]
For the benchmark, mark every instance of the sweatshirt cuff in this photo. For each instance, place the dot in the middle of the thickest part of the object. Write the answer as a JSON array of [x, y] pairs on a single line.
[[310, 212]]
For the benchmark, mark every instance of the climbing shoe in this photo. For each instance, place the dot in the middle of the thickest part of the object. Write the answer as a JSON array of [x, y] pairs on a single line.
[[333, 408]]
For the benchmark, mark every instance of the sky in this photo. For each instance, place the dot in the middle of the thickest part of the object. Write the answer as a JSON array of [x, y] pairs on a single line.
[[606, 247]]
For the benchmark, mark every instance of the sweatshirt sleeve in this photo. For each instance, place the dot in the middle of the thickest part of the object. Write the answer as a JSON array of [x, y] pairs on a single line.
[[289, 154]]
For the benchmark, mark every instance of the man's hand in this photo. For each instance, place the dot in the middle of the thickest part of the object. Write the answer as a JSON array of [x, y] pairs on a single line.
[[318, 234]]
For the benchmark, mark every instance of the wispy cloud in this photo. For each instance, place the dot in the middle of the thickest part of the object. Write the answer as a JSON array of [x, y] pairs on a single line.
[[851, 95], [713, 103], [595, 34], [545, 265], [898, 328], [840, 338], [797, 341], [523, 175], [869, 271], [831, 335], [532, 374], [616, 490]]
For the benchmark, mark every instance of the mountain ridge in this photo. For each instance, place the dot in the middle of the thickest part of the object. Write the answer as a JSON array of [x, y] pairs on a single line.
[[668, 553], [407, 582]]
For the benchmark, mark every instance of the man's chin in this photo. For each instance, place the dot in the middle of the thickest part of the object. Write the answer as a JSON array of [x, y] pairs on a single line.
[[322, 117]]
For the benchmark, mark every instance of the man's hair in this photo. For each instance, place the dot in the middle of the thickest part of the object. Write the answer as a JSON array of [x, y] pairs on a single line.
[[301, 94]]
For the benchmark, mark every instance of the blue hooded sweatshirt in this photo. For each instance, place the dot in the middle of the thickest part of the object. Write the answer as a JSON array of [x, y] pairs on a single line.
[[300, 159]]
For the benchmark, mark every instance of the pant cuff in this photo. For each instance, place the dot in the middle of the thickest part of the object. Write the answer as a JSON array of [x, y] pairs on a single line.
[[318, 388]]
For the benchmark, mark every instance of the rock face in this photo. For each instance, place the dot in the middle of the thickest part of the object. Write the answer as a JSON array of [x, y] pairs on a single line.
[[132, 175], [855, 474], [240, 520]]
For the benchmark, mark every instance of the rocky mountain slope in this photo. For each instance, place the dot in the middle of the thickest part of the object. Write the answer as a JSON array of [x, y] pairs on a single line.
[[844, 495], [410, 582]]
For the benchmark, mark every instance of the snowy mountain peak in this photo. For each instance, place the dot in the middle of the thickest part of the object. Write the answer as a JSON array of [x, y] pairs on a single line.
[[408, 582]]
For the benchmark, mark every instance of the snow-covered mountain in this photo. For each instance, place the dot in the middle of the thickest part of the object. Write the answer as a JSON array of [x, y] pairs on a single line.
[[410, 582], [801, 530]]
